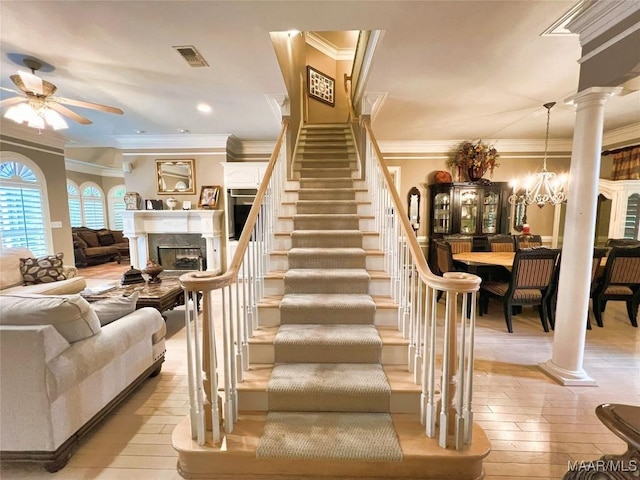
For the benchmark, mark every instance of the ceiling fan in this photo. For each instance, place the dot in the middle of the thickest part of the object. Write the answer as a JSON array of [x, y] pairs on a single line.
[[37, 105]]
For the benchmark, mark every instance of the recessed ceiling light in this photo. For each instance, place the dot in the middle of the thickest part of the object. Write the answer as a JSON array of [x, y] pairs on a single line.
[[183, 130], [140, 132], [204, 107]]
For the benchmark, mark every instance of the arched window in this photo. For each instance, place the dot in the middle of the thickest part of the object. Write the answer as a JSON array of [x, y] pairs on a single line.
[[92, 205], [23, 209], [75, 205], [115, 202]]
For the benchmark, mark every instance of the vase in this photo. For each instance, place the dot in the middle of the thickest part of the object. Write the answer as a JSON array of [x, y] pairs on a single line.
[[153, 270], [475, 173], [172, 203]]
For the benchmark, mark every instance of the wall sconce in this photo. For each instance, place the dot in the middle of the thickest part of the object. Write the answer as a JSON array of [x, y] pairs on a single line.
[[413, 201], [127, 167]]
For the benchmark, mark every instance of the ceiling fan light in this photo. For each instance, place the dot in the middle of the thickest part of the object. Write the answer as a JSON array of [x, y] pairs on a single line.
[[54, 119], [20, 113]]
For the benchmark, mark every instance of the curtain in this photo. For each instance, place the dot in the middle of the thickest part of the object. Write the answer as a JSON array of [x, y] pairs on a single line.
[[626, 164]]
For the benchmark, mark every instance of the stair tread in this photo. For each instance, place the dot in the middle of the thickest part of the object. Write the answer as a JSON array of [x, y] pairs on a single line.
[[274, 301], [388, 335], [367, 251]]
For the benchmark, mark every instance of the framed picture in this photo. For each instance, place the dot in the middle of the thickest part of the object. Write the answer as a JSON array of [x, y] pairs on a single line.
[[209, 195], [320, 86], [154, 205]]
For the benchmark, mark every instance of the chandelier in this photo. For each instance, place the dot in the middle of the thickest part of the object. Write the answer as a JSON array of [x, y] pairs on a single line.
[[36, 114], [544, 187]]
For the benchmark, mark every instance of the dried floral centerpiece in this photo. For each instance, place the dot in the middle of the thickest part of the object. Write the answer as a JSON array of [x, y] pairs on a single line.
[[473, 159]]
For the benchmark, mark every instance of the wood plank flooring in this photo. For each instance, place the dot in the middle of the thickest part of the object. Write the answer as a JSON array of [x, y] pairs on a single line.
[[535, 425]]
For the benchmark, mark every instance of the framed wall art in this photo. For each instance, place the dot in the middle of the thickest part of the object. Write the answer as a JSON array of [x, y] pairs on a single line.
[[320, 86], [209, 197]]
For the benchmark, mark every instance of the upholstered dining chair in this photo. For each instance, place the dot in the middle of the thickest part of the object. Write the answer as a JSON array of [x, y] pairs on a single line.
[[622, 242], [527, 241], [598, 253], [531, 276], [459, 243], [619, 282], [501, 243]]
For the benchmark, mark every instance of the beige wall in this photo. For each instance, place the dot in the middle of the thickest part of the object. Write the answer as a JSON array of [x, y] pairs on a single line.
[[419, 173], [142, 178], [51, 161], [317, 111]]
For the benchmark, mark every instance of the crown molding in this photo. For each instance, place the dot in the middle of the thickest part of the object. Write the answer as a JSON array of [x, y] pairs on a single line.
[[328, 48], [600, 16], [559, 27], [442, 147], [47, 138], [92, 168], [627, 134], [147, 142]]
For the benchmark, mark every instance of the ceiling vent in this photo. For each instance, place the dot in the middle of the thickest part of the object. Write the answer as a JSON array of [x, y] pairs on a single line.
[[191, 56]]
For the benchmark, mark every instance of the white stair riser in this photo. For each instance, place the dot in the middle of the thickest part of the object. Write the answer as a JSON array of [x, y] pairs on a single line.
[[275, 286], [291, 196], [290, 209], [384, 317], [257, 400], [265, 353], [279, 261], [285, 224]]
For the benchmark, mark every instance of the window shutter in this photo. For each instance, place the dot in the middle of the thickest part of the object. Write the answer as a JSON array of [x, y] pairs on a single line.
[[22, 224]]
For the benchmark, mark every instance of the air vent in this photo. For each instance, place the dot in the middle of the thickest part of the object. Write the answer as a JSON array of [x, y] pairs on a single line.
[[192, 56]]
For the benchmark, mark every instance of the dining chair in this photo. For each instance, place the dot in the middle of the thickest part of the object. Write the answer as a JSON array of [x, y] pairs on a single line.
[[619, 282], [598, 253], [531, 275], [459, 243], [527, 241], [622, 242], [501, 243], [444, 261]]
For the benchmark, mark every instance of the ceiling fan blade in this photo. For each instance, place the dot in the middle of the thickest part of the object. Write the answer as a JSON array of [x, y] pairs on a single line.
[[69, 113], [12, 101], [31, 82], [94, 106], [10, 90]]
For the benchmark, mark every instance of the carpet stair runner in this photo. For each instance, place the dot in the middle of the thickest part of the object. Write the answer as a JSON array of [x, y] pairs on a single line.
[[337, 400]]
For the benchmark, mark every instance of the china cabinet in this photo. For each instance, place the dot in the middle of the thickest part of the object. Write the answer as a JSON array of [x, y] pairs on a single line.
[[477, 209]]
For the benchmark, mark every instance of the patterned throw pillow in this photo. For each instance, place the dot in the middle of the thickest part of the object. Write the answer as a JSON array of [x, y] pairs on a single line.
[[45, 269]]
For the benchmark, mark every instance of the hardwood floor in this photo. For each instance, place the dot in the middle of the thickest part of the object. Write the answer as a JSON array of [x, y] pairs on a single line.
[[535, 425]]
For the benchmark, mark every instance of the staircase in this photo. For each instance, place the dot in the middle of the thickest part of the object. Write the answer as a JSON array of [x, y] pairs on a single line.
[[328, 393]]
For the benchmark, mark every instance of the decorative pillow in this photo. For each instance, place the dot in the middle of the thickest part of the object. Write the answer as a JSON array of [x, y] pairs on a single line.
[[90, 237], [79, 242], [113, 308], [47, 269], [118, 236], [106, 239], [71, 315]]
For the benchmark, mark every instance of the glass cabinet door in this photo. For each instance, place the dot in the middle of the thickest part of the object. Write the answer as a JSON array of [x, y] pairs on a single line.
[[468, 211], [442, 213], [490, 206]]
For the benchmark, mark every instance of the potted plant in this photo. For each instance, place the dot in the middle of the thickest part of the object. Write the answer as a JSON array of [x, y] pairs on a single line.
[[473, 159]]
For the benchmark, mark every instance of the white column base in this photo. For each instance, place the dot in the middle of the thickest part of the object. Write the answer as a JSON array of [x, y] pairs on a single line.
[[567, 378]]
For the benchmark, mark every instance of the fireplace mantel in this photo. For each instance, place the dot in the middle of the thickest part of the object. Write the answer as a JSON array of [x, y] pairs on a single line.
[[138, 224]]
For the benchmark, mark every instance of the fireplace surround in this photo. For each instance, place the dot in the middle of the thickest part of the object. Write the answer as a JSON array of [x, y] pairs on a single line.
[[190, 229]]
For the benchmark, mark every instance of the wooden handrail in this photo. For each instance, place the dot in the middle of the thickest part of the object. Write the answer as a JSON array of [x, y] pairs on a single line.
[[451, 281], [202, 281]]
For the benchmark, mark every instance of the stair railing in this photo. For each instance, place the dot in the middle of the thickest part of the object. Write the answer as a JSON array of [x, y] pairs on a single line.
[[441, 339], [239, 290]]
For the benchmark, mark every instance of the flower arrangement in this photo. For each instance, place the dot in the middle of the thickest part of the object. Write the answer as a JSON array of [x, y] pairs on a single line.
[[476, 156]]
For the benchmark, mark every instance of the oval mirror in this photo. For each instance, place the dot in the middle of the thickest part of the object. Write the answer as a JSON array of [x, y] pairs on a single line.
[[176, 176]]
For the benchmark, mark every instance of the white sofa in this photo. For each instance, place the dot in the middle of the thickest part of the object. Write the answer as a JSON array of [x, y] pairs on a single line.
[[61, 371], [11, 280]]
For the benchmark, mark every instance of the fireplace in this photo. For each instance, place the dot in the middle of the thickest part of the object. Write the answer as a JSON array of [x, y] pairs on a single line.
[[181, 258], [191, 238]]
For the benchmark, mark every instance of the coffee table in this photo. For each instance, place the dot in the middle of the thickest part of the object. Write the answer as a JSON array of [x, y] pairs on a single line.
[[161, 296]]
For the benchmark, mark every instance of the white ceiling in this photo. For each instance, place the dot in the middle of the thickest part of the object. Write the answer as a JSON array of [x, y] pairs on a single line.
[[449, 69]]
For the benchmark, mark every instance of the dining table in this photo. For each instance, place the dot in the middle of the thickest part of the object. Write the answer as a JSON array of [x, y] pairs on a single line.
[[473, 262]]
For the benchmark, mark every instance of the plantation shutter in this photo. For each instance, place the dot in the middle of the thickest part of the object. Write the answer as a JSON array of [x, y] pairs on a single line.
[[22, 224]]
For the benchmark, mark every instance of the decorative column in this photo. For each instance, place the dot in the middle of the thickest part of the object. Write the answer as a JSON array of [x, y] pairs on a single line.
[[575, 274]]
